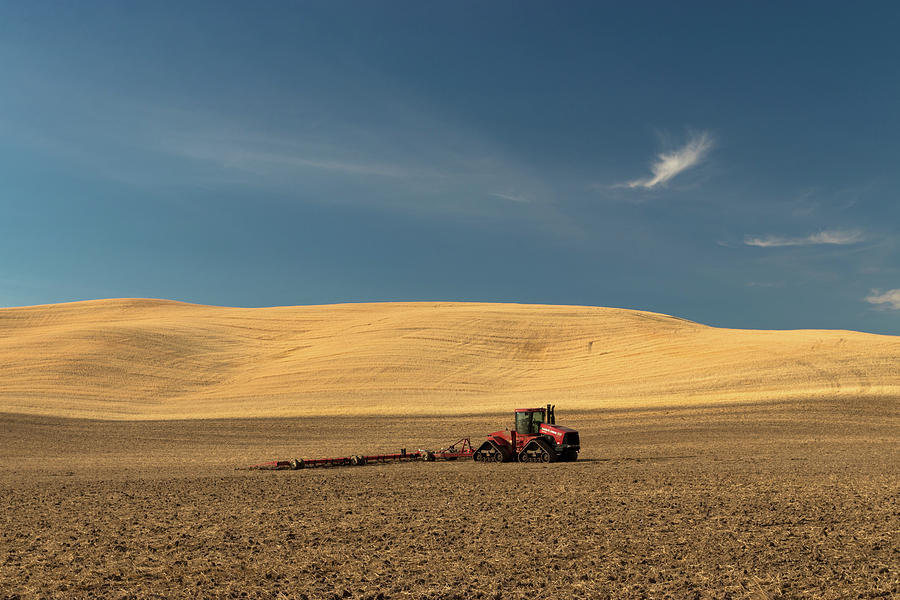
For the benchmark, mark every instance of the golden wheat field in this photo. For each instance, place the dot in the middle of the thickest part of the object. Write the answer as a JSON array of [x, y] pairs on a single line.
[[715, 464], [152, 359]]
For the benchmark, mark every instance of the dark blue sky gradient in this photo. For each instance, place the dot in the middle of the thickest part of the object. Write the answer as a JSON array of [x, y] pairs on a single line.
[[283, 153]]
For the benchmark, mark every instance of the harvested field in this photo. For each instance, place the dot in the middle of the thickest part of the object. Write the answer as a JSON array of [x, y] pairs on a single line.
[[772, 500]]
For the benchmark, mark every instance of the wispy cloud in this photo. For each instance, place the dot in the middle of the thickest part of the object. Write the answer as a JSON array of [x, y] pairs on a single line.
[[670, 164], [511, 197], [235, 154], [834, 237], [889, 299]]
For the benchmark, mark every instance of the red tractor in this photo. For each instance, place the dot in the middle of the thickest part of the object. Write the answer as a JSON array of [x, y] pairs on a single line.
[[536, 438]]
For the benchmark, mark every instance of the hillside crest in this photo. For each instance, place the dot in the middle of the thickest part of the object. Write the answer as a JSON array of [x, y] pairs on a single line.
[[160, 359]]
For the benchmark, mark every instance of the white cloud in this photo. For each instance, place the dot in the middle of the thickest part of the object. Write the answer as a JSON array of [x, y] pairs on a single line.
[[511, 197], [670, 164], [235, 154], [890, 299], [835, 237]]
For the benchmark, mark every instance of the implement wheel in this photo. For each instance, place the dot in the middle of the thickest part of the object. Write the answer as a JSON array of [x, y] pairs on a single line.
[[296, 463]]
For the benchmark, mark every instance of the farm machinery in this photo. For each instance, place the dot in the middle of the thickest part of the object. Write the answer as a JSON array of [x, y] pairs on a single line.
[[535, 437]]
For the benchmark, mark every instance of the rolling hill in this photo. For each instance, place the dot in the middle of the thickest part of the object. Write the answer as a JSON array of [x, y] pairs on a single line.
[[156, 359]]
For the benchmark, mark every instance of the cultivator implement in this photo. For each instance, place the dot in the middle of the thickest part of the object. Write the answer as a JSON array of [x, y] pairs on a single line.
[[462, 448]]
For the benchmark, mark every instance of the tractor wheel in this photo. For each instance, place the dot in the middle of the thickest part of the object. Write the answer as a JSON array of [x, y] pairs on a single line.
[[488, 452], [538, 451]]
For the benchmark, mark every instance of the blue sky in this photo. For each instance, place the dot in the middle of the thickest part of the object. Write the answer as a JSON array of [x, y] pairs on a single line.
[[730, 163]]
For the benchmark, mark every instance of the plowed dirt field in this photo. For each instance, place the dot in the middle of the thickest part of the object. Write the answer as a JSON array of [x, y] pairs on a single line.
[[755, 501]]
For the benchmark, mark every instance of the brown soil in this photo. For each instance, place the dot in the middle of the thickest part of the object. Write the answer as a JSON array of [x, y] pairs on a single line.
[[761, 501]]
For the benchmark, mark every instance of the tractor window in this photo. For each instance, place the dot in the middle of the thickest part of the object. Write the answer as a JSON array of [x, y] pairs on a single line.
[[523, 423], [537, 419], [529, 422]]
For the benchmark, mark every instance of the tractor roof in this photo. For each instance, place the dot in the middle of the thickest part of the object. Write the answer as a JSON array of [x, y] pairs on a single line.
[[542, 409]]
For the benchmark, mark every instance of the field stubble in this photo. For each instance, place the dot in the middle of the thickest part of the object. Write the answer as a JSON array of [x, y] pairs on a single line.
[[760, 501]]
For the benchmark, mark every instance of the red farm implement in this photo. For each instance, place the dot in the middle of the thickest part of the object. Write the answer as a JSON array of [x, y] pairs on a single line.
[[461, 448]]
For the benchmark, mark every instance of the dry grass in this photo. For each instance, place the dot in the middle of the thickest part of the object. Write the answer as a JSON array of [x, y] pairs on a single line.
[[150, 359]]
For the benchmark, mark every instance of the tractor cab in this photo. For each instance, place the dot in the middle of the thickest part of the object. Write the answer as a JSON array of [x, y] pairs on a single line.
[[535, 438], [528, 420]]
